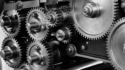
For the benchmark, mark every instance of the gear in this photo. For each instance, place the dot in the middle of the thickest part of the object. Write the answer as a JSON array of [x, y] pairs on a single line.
[[116, 45], [11, 52], [55, 17], [39, 57], [64, 34], [37, 24], [93, 18], [10, 22]]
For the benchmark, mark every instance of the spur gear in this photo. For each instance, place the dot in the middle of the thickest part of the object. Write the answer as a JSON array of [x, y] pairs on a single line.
[[93, 18], [116, 45], [64, 34], [56, 17], [39, 57], [10, 22], [37, 24], [11, 52]]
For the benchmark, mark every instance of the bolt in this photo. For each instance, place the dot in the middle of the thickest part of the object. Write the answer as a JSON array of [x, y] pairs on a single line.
[[60, 35], [83, 47], [20, 5]]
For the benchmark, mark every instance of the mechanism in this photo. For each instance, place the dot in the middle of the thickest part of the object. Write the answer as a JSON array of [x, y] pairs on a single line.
[[11, 52], [39, 56], [37, 24], [10, 22], [94, 18], [62, 34]]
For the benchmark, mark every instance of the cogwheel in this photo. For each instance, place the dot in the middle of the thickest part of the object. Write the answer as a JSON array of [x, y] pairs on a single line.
[[39, 56], [93, 18], [64, 34], [10, 22], [11, 52], [116, 45], [37, 24], [55, 17]]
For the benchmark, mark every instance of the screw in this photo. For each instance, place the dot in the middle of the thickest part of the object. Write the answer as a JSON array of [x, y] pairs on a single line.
[[20, 5], [83, 47]]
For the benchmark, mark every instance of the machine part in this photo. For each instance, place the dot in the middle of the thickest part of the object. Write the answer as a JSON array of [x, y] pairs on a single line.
[[37, 24], [71, 50], [11, 52], [93, 19], [116, 45], [64, 35], [65, 9], [24, 66], [39, 57], [10, 22], [51, 2], [55, 17]]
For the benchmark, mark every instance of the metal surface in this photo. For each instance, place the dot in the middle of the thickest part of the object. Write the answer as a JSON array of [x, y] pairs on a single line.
[[116, 45], [38, 56], [93, 18], [37, 24]]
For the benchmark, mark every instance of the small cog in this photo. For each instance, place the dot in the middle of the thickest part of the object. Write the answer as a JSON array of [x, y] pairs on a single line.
[[37, 24], [116, 45], [39, 56], [10, 22], [11, 52], [92, 22]]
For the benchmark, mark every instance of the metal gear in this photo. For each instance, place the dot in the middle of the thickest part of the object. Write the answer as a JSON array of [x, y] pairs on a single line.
[[116, 45], [39, 57], [10, 22], [11, 52], [55, 17], [37, 24], [93, 18], [64, 34]]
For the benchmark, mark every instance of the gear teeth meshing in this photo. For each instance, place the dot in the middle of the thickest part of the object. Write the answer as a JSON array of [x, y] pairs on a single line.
[[20, 60], [48, 52], [18, 27], [45, 34], [116, 11], [118, 22]]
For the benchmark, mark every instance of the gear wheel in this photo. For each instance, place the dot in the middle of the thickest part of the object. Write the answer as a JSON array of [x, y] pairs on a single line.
[[64, 34], [55, 17], [116, 45], [93, 18], [10, 22], [11, 52], [39, 57], [37, 24]]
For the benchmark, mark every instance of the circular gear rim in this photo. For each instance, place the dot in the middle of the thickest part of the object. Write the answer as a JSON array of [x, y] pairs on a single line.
[[110, 52], [45, 33], [89, 35], [18, 28], [16, 65], [48, 51]]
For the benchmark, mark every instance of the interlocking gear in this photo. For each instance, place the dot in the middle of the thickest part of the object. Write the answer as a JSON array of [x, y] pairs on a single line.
[[10, 22], [11, 52], [116, 45], [37, 24], [39, 57], [93, 18]]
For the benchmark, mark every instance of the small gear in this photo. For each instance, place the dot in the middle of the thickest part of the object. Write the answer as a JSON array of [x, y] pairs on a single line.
[[39, 56], [116, 45], [64, 34], [10, 22], [37, 24], [94, 19], [11, 52], [55, 17]]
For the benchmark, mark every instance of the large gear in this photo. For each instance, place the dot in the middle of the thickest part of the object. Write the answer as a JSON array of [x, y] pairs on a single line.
[[116, 45], [37, 24], [11, 52], [93, 18], [10, 22], [39, 57]]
